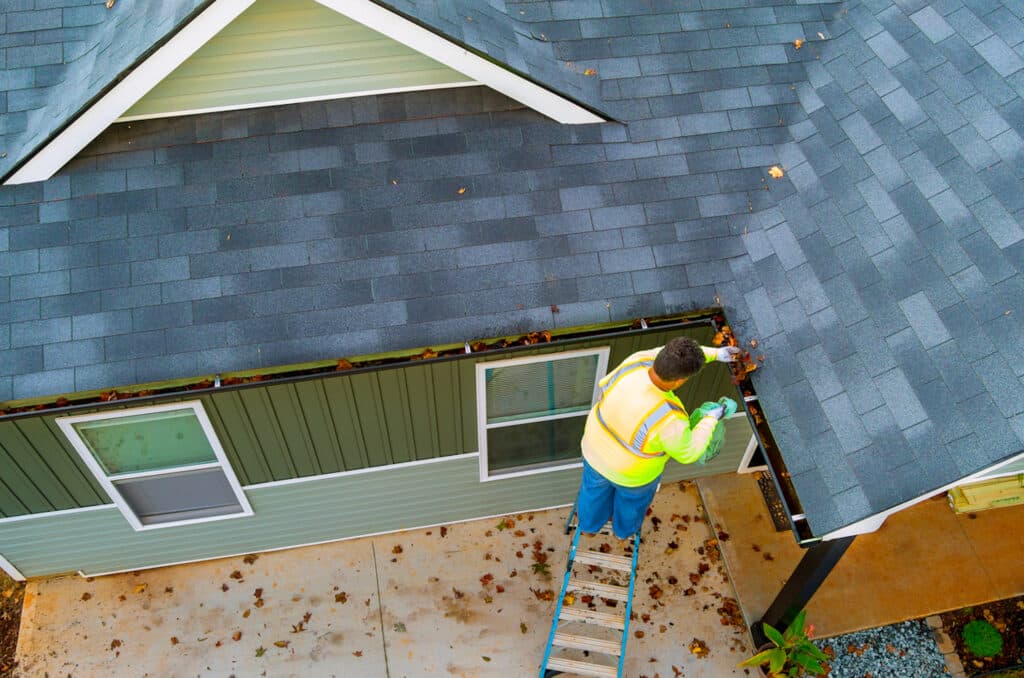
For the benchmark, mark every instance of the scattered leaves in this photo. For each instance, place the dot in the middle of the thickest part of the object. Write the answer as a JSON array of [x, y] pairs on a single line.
[[110, 4], [174, 640], [461, 190], [699, 648], [487, 579], [245, 615], [357, 653], [236, 636], [590, 72], [522, 627], [236, 575], [400, 627], [798, 43], [115, 643], [141, 588], [775, 172], [85, 596], [485, 658], [341, 597], [396, 549], [250, 559], [638, 634], [282, 643]]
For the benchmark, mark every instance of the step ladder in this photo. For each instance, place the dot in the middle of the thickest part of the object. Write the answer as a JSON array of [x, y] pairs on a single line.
[[585, 623]]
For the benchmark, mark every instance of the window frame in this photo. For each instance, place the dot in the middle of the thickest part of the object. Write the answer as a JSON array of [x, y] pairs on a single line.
[[486, 475], [66, 425]]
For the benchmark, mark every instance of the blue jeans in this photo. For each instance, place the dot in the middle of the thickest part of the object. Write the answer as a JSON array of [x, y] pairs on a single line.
[[600, 499]]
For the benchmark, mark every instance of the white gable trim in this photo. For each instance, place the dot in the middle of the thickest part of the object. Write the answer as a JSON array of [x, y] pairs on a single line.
[[872, 523], [448, 53], [90, 124]]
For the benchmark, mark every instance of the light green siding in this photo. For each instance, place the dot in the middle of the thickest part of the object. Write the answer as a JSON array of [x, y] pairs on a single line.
[[340, 421], [288, 50], [316, 510]]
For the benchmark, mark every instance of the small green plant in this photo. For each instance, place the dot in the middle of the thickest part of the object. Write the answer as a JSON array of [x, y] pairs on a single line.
[[793, 655], [982, 639]]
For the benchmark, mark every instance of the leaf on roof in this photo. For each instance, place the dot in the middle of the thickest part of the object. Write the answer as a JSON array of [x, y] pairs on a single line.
[[775, 172], [798, 43], [590, 72], [110, 3]]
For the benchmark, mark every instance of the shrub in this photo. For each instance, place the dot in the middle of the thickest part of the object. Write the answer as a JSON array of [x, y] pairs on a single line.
[[982, 639]]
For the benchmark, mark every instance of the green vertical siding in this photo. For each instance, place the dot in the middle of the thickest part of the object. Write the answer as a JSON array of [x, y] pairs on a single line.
[[291, 514], [338, 422], [286, 50]]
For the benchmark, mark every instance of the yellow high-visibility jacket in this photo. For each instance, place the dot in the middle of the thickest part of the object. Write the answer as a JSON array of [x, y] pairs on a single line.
[[635, 427]]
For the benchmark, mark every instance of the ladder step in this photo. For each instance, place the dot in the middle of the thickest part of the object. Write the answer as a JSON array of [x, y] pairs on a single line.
[[605, 560], [599, 589], [612, 647], [612, 621], [582, 668]]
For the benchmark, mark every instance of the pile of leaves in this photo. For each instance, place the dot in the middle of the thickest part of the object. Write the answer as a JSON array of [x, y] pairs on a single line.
[[12, 594], [1007, 616]]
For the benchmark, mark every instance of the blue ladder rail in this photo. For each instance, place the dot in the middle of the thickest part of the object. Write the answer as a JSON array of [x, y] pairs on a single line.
[[553, 666]]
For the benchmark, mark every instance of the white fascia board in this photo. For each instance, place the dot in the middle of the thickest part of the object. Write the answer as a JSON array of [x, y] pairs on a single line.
[[144, 77], [448, 53], [872, 523]]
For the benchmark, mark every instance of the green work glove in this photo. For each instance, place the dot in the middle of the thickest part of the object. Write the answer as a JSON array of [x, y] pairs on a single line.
[[729, 405]]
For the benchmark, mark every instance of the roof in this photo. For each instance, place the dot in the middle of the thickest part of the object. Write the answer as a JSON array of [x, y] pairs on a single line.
[[883, 274], [61, 54]]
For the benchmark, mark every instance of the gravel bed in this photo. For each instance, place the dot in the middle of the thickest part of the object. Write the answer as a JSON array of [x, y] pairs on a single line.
[[904, 650]]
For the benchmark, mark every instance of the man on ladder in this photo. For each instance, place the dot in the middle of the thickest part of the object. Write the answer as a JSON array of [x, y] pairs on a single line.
[[636, 425]]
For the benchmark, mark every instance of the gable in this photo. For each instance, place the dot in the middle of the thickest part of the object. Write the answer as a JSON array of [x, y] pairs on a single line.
[[50, 141], [283, 51]]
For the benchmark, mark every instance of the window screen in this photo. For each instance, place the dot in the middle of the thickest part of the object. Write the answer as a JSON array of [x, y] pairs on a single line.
[[532, 410], [162, 465]]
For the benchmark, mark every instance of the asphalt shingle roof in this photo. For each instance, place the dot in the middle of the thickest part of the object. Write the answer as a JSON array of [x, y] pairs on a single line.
[[883, 274], [58, 55]]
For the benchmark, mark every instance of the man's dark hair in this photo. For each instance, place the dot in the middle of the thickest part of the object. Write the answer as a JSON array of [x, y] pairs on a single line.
[[681, 357]]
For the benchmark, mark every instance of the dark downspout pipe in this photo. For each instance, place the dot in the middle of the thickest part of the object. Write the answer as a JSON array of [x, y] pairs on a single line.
[[807, 577]]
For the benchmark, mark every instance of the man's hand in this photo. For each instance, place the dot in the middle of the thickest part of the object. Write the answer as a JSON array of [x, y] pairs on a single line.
[[727, 354]]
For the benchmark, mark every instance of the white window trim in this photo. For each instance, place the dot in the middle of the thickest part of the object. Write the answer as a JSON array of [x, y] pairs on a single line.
[[67, 426], [481, 408]]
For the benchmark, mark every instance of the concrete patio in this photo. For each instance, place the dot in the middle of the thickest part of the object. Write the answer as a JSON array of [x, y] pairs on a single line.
[[409, 604], [924, 560]]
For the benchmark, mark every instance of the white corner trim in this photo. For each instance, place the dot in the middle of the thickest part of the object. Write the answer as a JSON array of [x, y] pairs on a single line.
[[86, 127], [10, 569], [872, 523], [448, 53]]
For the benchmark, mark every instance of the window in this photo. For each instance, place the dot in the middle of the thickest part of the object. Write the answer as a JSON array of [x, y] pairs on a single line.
[[531, 411], [162, 465]]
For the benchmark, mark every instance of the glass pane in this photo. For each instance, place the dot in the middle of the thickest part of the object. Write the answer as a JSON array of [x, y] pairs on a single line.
[[539, 442], [179, 496], [147, 442], [540, 389]]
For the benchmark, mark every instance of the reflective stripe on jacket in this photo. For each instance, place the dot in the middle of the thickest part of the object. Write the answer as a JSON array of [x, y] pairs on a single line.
[[635, 426]]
